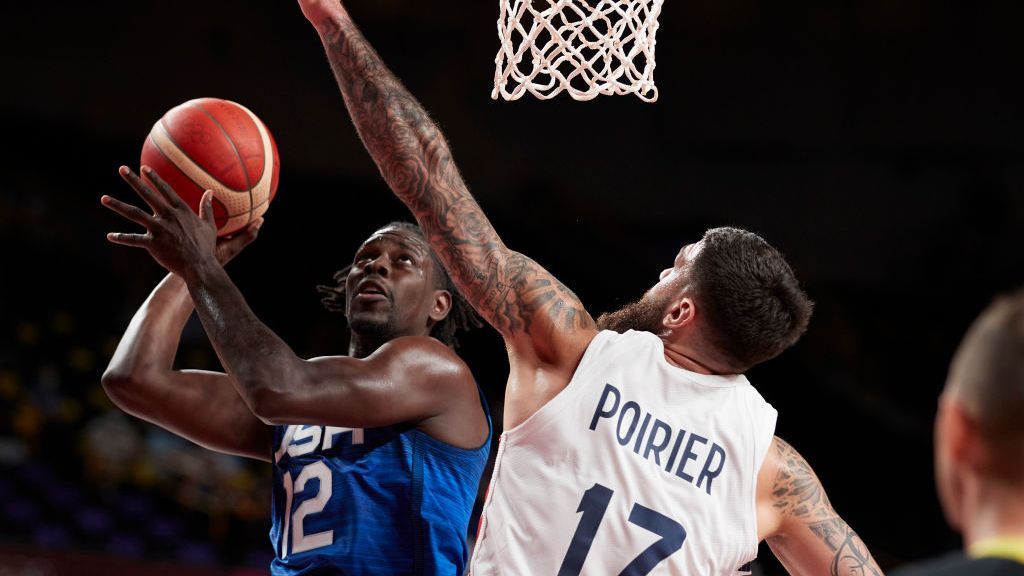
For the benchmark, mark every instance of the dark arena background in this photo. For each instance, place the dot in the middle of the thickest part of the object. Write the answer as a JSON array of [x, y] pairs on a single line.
[[876, 143]]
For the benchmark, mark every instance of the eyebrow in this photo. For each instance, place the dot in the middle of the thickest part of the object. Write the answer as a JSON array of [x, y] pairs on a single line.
[[400, 239]]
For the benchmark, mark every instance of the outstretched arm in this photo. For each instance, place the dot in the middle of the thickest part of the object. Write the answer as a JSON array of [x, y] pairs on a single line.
[[803, 530], [545, 325], [201, 406]]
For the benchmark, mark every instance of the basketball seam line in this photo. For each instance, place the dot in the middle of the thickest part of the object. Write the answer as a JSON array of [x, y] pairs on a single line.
[[167, 134], [253, 209], [156, 145], [238, 154], [178, 168]]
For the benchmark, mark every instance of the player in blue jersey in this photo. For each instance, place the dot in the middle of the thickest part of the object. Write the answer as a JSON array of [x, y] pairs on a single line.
[[377, 456]]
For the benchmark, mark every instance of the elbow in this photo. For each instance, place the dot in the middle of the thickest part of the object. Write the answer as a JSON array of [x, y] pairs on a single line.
[[268, 404], [118, 385], [269, 400]]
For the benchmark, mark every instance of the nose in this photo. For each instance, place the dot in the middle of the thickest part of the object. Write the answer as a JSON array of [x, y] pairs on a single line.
[[379, 265], [664, 273]]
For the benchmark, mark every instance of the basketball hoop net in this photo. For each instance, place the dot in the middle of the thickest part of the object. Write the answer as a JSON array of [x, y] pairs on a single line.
[[585, 47]]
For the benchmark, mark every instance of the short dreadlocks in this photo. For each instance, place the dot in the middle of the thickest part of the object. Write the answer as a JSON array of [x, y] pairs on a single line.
[[460, 317]]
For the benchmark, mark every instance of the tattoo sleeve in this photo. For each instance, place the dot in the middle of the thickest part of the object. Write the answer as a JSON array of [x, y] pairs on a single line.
[[851, 555], [511, 291], [797, 494]]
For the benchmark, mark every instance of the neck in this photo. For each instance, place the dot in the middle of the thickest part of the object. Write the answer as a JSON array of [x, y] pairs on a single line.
[[687, 358], [992, 510], [362, 345]]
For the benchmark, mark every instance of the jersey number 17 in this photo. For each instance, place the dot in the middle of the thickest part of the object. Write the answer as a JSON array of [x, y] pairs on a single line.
[[593, 505]]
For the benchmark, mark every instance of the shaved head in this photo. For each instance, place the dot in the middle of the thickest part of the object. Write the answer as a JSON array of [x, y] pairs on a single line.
[[986, 377]]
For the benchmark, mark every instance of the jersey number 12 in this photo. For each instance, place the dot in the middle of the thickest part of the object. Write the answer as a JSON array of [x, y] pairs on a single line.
[[301, 541]]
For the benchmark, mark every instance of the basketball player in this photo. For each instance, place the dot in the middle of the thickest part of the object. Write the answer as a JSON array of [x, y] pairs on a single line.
[[979, 447], [641, 452], [377, 456]]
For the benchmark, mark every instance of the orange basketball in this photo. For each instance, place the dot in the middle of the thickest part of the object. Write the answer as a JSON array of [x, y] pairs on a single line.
[[214, 144]]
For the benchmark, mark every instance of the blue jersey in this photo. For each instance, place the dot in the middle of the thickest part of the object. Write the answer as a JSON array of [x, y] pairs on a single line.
[[374, 501]]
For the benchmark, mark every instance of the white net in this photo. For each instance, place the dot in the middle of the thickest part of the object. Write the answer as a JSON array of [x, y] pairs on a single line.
[[583, 47]]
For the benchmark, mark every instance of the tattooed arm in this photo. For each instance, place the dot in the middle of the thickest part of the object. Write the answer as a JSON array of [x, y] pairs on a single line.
[[799, 523], [546, 328]]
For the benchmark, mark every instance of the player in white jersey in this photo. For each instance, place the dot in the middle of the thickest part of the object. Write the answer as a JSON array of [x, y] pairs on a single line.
[[638, 453]]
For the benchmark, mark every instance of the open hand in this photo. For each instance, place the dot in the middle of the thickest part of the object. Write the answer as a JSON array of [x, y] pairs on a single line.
[[175, 236]]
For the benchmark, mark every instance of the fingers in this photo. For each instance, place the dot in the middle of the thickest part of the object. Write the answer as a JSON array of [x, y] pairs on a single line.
[[249, 233], [133, 213], [229, 247], [135, 240], [168, 193], [154, 200], [130, 212], [253, 226], [245, 235], [206, 206]]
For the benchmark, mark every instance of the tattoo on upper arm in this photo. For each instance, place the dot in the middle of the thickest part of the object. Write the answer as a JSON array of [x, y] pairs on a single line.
[[512, 296], [508, 289], [798, 493], [851, 555]]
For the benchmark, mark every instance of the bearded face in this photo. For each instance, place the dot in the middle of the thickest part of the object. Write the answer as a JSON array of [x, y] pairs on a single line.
[[644, 314]]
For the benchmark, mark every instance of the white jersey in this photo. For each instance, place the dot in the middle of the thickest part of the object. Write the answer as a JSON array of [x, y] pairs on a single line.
[[636, 467]]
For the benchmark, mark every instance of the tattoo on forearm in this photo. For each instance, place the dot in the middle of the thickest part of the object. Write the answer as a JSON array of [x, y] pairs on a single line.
[[507, 288], [851, 555], [797, 491]]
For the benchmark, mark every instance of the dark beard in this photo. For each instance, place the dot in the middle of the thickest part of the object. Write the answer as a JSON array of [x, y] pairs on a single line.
[[371, 335], [645, 314]]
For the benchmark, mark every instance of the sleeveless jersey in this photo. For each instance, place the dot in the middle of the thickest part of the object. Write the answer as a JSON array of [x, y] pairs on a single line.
[[374, 501], [636, 467]]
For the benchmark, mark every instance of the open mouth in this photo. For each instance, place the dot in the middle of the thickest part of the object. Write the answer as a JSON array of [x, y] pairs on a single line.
[[371, 291]]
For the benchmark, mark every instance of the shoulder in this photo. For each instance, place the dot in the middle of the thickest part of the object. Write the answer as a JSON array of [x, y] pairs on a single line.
[[423, 359], [786, 459], [788, 490], [624, 343], [426, 357], [418, 347], [796, 490]]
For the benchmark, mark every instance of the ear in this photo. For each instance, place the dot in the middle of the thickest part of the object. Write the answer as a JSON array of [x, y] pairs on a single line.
[[682, 313], [442, 305], [959, 435], [949, 452]]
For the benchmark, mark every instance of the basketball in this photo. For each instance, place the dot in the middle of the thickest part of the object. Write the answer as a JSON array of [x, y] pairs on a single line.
[[213, 144]]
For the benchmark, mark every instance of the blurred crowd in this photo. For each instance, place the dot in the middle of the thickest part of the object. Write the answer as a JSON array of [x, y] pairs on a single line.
[[78, 474]]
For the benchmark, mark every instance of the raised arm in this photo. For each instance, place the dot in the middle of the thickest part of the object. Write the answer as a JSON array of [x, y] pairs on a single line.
[[275, 384], [544, 324], [412, 379], [796, 518], [200, 406]]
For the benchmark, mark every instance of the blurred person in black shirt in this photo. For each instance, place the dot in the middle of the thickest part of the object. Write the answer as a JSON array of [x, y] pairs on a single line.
[[979, 447]]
